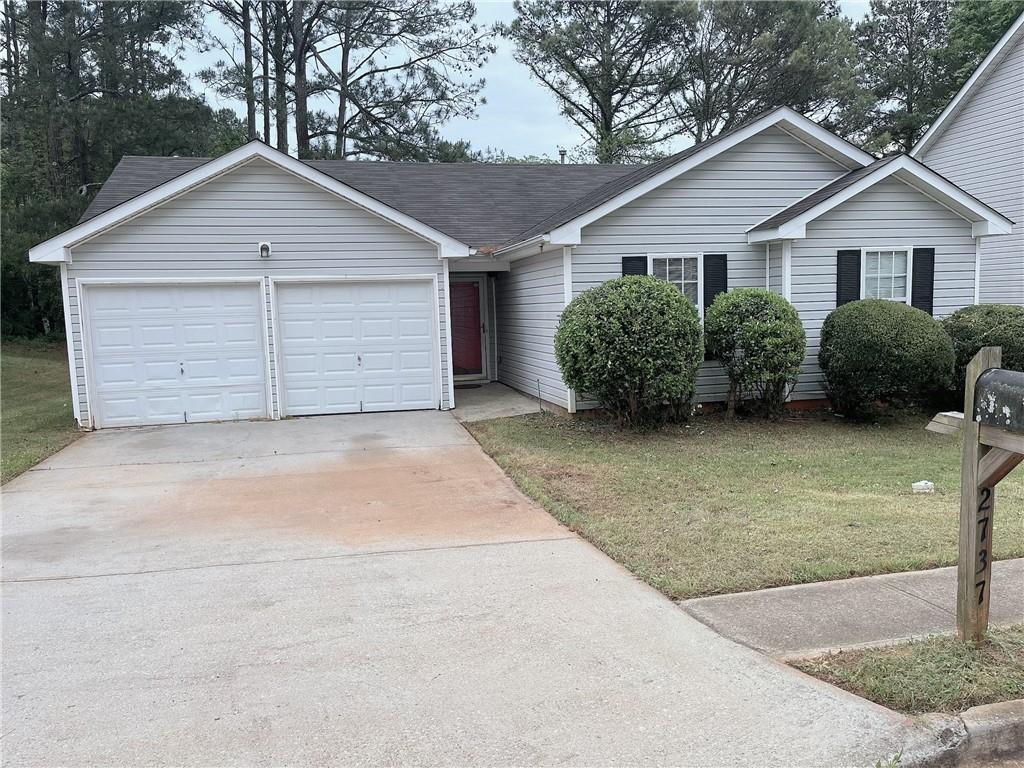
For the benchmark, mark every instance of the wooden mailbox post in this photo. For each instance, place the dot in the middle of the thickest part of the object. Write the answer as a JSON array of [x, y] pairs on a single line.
[[993, 435]]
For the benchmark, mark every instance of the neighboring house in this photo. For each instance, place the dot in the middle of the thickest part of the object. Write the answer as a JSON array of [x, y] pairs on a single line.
[[978, 144], [257, 285]]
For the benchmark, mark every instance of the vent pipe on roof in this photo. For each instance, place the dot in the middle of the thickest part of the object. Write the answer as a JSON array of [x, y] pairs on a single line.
[[561, 155]]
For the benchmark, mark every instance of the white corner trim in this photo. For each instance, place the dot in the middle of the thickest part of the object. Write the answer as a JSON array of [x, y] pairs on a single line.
[[787, 270], [795, 124], [767, 266], [69, 336], [977, 270], [996, 55], [55, 250], [984, 220], [566, 298], [448, 335]]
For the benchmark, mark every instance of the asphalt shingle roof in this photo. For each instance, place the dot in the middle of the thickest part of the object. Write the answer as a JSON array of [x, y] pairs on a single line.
[[480, 204]]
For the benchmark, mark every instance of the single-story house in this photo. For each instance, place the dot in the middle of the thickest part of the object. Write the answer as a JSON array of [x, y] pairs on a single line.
[[255, 285], [978, 143]]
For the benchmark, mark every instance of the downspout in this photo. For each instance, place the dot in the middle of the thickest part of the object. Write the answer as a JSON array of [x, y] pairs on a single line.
[[977, 270], [566, 298]]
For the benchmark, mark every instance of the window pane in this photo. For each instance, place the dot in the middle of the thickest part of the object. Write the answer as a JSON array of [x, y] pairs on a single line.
[[690, 270], [871, 287], [900, 263], [885, 263], [675, 270], [658, 267], [690, 291], [899, 285], [871, 263]]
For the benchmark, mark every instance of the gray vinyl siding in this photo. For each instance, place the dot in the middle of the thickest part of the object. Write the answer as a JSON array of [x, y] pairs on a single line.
[[213, 232], [890, 214], [708, 210], [982, 150], [530, 299], [776, 274]]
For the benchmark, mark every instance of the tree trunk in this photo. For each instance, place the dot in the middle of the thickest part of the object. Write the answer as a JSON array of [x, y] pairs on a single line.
[[250, 91], [299, 51], [264, 49], [280, 78], [341, 139]]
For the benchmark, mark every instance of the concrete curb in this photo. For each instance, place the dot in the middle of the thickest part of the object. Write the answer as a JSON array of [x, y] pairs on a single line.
[[981, 733]]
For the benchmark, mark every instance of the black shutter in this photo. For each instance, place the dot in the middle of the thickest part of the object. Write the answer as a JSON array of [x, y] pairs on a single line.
[[922, 284], [716, 277], [847, 276], [634, 265], [716, 280]]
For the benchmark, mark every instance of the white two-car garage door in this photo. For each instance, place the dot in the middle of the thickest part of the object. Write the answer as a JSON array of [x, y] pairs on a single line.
[[166, 354], [350, 346]]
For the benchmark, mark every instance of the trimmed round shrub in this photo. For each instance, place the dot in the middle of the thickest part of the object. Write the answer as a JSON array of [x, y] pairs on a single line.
[[985, 325], [759, 340], [634, 344], [878, 351]]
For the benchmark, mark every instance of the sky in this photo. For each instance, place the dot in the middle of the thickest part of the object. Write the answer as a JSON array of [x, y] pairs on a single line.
[[520, 116]]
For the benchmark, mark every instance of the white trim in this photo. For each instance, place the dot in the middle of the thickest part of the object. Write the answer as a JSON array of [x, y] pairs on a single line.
[[448, 335], [85, 325], [699, 255], [767, 266], [977, 270], [793, 123], [984, 220], [910, 268], [276, 388], [566, 298], [1001, 49], [55, 250], [480, 279], [267, 328], [69, 336], [787, 270], [422, 278]]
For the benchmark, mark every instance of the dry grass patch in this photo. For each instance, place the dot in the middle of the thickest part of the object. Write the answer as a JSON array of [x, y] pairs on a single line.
[[938, 674], [721, 506]]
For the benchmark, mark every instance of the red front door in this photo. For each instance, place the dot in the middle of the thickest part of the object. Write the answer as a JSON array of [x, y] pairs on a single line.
[[466, 339]]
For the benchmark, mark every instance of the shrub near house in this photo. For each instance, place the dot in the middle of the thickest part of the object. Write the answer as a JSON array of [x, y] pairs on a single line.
[[758, 338], [635, 345], [986, 325], [876, 350]]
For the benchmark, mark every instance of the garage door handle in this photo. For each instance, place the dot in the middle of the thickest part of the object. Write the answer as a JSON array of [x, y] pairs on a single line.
[[359, 359], [182, 367]]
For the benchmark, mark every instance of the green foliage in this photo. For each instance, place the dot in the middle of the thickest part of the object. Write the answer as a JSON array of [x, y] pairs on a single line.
[[985, 325], [634, 344], [759, 339], [86, 83], [875, 350]]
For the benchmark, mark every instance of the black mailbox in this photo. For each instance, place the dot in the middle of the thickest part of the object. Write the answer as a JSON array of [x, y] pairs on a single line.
[[999, 399]]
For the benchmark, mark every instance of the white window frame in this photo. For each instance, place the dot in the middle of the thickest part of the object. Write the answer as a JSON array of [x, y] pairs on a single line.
[[700, 272], [910, 269]]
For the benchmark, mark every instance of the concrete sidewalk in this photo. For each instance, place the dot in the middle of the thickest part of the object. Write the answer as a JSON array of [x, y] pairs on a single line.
[[811, 619]]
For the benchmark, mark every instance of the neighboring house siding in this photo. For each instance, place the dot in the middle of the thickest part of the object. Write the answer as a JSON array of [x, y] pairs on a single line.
[[982, 151], [530, 299], [889, 214], [708, 210], [213, 231], [776, 282]]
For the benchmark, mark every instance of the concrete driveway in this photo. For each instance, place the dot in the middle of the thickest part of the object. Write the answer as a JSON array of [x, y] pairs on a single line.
[[361, 590]]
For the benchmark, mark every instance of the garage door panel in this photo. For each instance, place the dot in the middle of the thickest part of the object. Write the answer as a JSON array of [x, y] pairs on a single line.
[[373, 344], [171, 353]]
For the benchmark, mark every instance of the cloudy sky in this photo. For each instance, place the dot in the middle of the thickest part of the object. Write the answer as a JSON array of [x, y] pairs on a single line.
[[520, 117]]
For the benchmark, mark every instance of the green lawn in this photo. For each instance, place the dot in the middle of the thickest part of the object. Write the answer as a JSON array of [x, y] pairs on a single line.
[[36, 418], [938, 674], [725, 507]]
